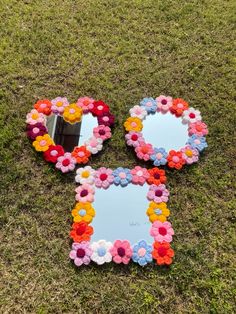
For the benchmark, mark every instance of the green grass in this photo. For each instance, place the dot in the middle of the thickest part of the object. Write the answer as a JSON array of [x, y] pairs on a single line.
[[119, 51]]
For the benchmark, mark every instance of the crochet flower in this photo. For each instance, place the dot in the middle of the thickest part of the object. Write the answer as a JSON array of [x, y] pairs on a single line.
[[100, 108], [102, 131], [53, 152], [81, 231], [142, 253], [85, 175], [85, 103], [178, 107], [72, 113], [149, 104], [42, 143], [43, 106], [191, 116], [81, 154], [107, 119], [134, 138], [34, 130], [66, 163], [34, 117], [81, 253], [85, 193], [94, 144], [83, 212], [162, 231], [139, 175], [101, 252], [159, 156], [199, 128], [158, 193], [175, 159], [162, 253], [138, 112], [104, 177], [121, 252], [157, 212], [198, 142], [59, 104], [156, 176], [133, 124], [122, 176], [189, 154], [144, 151], [164, 103]]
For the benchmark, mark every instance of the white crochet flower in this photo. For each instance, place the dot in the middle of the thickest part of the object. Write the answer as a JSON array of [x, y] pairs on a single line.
[[138, 112], [85, 175], [94, 144], [191, 115], [101, 252]]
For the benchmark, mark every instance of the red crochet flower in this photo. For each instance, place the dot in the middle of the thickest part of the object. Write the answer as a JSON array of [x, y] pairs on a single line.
[[53, 152], [81, 154], [178, 107], [162, 253], [175, 160], [81, 231], [100, 108], [107, 119], [43, 106], [157, 176]]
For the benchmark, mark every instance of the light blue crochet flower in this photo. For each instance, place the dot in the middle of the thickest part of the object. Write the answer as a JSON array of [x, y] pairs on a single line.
[[142, 253], [159, 156], [149, 104], [122, 176], [197, 142]]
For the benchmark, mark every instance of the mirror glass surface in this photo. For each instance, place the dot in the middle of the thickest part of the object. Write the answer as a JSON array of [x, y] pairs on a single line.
[[70, 135], [165, 130], [121, 214]]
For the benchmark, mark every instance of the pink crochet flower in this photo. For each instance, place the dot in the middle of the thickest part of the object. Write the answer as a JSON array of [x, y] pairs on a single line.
[[121, 252], [158, 193], [144, 151], [66, 163], [104, 177], [164, 103], [134, 138], [162, 231], [59, 104], [34, 117], [85, 103], [199, 128], [102, 131], [189, 154], [81, 253], [139, 175], [138, 111], [85, 193]]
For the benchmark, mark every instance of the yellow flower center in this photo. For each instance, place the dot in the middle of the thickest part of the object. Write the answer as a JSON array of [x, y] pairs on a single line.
[[59, 103], [85, 174], [189, 153], [35, 116]]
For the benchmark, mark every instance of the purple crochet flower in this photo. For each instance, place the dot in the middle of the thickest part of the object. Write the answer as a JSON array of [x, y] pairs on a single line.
[[158, 193], [34, 130], [81, 253], [134, 138]]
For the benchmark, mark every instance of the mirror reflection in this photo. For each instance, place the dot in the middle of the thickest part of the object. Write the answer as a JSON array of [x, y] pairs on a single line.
[[121, 214], [165, 130], [70, 135]]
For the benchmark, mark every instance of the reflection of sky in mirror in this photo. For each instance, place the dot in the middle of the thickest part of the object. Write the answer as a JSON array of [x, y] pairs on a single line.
[[121, 214], [165, 130]]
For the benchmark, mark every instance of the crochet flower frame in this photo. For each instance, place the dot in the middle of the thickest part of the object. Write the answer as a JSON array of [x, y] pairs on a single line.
[[37, 131], [197, 131], [120, 251]]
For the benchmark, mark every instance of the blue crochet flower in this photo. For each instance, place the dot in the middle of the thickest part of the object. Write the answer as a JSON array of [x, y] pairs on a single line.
[[197, 142], [122, 176], [142, 253], [149, 104], [159, 156]]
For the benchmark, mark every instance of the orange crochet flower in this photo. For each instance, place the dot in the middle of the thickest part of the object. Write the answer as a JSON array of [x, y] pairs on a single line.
[[162, 253], [133, 124], [175, 160], [81, 231], [178, 107], [157, 176], [43, 106], [81, 154]]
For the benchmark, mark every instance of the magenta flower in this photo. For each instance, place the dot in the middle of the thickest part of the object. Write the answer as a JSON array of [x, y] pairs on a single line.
[[162, 231], [121, 252], [34, 117], [189, 154], [66, 163], [104, 177], [199, 128], [164, 103], [158, 193], [134, 138], [107, 119], [81, 253], [59, 104], [102, 131], [34, 130], [139, 175], [85, 193], [85, 103], [144, 151]]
